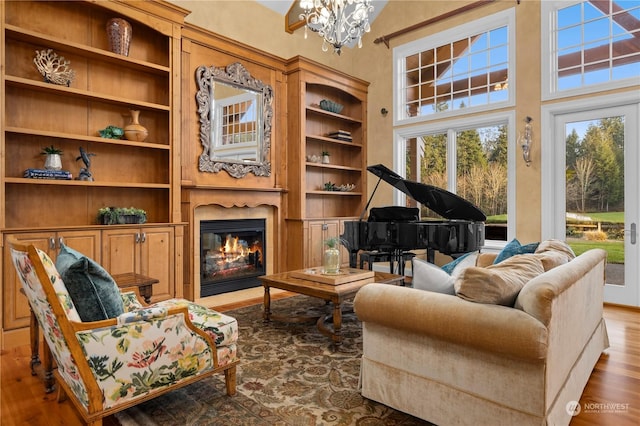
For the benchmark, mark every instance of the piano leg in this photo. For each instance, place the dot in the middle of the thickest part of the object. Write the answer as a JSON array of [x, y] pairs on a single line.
[[399, 257], [431, 255], [353, 259]]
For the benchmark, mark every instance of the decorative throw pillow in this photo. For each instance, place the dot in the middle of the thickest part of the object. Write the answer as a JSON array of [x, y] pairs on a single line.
[[513, 248], [93, 291], [458, 265], [556, 246], [485, 259], [551, 259], [498, 284], [430, 277]]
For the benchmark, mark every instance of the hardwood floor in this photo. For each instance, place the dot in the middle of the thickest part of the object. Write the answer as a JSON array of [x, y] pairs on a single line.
[[612, 396]]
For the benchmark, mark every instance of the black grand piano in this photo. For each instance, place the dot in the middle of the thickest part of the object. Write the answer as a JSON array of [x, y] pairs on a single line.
[[395, 230]]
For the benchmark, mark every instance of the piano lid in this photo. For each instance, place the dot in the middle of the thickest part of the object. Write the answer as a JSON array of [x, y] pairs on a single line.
[[445, 203]]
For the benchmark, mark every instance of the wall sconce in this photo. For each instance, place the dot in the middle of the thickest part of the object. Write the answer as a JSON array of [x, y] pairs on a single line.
[[526, 140], [384, 112]]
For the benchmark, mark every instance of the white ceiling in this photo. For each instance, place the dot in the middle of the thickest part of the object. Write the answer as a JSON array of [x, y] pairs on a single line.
[[283, 6]]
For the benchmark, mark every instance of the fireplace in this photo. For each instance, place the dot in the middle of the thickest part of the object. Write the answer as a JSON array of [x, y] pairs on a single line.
[[232, 254]]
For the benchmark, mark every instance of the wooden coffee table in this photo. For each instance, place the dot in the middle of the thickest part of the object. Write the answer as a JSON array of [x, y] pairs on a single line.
[[336, 294]]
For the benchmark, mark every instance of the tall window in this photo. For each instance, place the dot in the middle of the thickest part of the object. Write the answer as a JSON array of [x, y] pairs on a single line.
[[469, 159], [466, 68], [593, 43]]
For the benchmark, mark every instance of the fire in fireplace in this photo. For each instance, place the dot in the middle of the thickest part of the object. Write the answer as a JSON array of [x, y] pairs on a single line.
[[232, 254]]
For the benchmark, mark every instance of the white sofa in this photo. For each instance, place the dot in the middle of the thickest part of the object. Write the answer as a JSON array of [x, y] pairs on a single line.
[[451, 361]]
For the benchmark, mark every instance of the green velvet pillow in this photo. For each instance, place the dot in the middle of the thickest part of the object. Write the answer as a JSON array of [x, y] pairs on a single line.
[[93, 291]]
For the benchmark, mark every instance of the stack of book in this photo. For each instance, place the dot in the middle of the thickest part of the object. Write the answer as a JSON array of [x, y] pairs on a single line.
[[47, 174], [342, 135]]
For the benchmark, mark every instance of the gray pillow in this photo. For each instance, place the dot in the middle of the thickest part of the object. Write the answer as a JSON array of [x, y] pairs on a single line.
[[427, 276], [93, 291]]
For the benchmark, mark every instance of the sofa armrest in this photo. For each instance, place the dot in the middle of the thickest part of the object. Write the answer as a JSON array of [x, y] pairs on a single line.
[[492, 328]]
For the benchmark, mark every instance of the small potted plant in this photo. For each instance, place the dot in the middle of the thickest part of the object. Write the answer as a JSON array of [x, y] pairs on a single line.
[[112, 132], [107, 216], [329, 186], [331, 258], [121, 215], [325, 157], [132, 215], [53, 160]]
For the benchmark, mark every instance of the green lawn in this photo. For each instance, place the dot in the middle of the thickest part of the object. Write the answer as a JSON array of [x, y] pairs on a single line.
[[610, 217], [614, 249]]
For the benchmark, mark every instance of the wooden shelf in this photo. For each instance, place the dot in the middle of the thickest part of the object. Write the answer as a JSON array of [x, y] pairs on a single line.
[[62, 182], [58, 45], [333, 166], [336, 193], [329, 114], [61, 135], [25, 83], [332, 140]]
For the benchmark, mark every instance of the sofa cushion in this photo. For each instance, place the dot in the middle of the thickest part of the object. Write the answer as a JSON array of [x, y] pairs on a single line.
[[94, 292], [430, 277], [513, 248], [499, 283], [554, 245], [223, 329]]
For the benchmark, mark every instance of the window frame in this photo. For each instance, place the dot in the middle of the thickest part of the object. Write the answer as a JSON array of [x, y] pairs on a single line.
[[479, 26], [450, 127], [548, 69]]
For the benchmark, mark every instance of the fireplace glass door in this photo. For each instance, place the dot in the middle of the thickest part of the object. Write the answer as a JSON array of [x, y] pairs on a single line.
[[232, 254]]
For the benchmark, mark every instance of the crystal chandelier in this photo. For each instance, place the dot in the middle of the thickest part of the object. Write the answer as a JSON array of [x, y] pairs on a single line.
[[339, 22]]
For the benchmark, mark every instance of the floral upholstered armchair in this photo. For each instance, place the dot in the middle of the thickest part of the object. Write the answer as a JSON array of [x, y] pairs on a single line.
[[109, 365]]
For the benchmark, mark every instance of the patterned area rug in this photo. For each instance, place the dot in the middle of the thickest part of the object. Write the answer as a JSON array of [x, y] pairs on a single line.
[[289, 374]]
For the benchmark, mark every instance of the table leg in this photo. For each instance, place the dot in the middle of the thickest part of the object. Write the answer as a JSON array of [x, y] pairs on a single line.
[[145, 292], [266, 315], [34, 335], [337, 322]]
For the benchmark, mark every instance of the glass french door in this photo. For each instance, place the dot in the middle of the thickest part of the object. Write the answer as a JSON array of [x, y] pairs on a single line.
[[596, 151]]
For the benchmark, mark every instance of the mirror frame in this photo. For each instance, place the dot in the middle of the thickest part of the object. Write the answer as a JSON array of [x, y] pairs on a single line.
[[237, 76]]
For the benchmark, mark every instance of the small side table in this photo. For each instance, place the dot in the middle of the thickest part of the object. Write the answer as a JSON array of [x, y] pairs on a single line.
[[144, 283]]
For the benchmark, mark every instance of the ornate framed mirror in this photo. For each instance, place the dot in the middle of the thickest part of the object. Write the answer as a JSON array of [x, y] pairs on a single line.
[[235, 112]]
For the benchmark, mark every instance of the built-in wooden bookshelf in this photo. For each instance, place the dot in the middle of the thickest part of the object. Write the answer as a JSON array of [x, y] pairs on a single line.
[[106, 87], [316, 210]]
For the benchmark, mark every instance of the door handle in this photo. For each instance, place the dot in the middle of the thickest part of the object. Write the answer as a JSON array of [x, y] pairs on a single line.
[[632, 233]]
